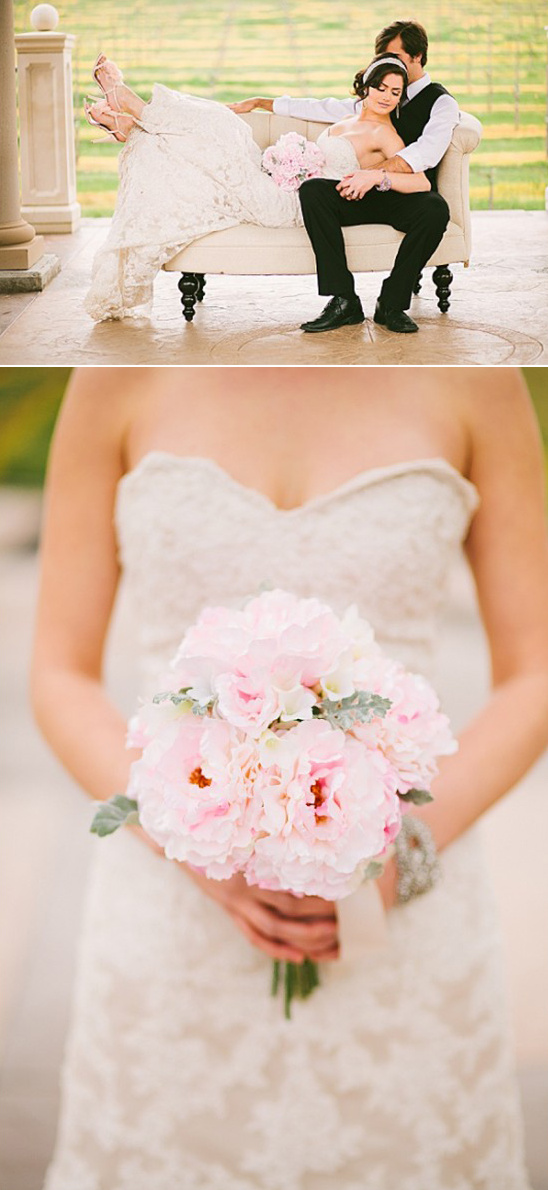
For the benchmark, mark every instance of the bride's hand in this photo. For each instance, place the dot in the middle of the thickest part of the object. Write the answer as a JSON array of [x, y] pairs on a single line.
[[355, 185], [283, 926]]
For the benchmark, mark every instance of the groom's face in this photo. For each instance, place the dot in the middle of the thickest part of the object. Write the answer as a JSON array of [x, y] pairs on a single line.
[[414, 66]]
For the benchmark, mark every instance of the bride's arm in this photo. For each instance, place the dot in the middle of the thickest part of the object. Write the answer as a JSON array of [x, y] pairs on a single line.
[[508, 552], [357, 184], [79, 579]]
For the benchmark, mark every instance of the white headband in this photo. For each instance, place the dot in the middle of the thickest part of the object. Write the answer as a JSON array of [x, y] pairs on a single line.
[[382, 62]]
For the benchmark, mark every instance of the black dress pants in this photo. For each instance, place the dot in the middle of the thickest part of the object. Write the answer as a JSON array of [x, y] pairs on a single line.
[[423, 217]]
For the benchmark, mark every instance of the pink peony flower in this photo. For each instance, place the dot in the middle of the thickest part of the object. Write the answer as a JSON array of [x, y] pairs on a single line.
[[328, 808], [414, 732], [194, 788], [247, 701]]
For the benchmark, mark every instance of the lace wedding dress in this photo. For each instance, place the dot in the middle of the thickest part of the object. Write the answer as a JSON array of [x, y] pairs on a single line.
[[192, 167], [181, 1071]]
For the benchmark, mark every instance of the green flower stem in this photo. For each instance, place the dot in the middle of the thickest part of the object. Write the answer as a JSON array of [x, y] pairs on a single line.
[[299, 979], [289, 988]]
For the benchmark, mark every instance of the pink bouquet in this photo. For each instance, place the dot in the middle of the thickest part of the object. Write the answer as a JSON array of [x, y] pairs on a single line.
[[283, 746], [292, 160]]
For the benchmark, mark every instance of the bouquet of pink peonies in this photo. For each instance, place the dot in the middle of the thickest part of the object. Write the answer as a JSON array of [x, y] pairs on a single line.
[[284, 745], [293, 160]]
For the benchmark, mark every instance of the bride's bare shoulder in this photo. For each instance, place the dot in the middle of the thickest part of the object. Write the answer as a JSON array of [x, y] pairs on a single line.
[[493, 399], [109, 391], [99, 411], [499, 413], [107, 402], [341, 125]]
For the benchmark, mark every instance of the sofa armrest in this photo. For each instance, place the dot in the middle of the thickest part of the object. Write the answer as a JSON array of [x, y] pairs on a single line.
[[454, 169], [467, 133]]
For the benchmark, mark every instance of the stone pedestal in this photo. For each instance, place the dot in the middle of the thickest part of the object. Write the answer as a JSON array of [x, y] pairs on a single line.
[[20, 248], [46, 117], [21, 256]]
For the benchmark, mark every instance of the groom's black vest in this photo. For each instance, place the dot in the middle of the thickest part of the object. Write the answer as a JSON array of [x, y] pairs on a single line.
[[414, 117]]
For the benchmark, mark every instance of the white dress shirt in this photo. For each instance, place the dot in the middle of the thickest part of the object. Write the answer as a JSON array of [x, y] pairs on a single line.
[[424, 153]]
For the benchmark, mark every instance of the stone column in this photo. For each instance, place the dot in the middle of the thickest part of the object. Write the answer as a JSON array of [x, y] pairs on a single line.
[[20, 247], [46, 119]]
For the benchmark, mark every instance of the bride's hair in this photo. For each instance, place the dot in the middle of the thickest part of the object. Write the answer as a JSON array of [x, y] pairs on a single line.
[[377, 70]]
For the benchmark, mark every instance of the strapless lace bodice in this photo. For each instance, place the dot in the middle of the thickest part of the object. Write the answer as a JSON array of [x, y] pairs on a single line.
[[191, 535], [181, 1072], [339, 155]]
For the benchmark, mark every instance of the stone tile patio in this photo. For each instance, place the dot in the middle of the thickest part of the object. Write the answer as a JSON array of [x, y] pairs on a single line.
[[499, 313]]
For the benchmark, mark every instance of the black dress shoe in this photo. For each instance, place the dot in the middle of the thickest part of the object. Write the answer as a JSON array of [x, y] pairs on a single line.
[[394, 320], [340, 311]]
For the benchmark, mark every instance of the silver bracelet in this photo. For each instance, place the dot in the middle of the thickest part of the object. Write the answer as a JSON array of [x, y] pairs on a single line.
[[418, 866], [386, 183]]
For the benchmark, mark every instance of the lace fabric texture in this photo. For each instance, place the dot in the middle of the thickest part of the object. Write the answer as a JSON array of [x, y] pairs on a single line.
[[181, 1073], [192, 167], [340, 158]]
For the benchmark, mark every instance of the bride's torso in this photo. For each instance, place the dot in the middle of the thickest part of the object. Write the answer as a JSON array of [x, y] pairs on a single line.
[[235, 497]]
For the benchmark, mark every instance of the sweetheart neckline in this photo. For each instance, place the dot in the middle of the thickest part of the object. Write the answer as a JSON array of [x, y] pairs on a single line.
[[340, 136], [355, 482]]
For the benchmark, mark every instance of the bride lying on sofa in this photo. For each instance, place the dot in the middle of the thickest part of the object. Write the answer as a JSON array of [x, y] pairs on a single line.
[[191, 166]]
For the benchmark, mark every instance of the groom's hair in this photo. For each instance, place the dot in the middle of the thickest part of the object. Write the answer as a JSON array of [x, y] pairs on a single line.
[[413, 38]]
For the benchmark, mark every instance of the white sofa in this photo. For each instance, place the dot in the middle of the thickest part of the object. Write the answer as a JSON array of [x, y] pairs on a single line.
[[249, 249]]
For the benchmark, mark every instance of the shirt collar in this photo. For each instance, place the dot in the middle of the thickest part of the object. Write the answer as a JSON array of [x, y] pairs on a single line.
[[416, 88]]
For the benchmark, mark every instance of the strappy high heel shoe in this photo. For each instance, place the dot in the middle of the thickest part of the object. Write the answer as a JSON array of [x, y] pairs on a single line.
[[112, 133], [101, 61]]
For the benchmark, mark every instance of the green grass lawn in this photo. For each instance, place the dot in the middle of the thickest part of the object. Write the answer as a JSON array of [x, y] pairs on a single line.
[[30, 400], [490, 53]]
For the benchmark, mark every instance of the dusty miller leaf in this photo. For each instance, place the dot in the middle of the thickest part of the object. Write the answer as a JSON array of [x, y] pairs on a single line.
[[180, 696], [373, 869], [419, 797], [172, 696], [118, 811], [360, 707]]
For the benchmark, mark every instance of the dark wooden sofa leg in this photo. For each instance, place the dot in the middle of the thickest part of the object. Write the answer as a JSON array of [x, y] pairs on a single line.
[[417, 288], [201, 287], [442, 278], [189, 286]]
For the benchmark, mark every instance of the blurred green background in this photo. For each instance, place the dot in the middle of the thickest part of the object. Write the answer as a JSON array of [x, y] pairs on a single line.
[[491, 54], [30, 399]]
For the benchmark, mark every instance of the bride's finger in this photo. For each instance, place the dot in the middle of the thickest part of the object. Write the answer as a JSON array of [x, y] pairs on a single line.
[[291, 906], [276, 950], [328, 955], [312, 934]]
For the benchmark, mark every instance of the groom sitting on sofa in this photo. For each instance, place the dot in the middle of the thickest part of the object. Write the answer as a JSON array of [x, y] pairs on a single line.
[[425, 123]]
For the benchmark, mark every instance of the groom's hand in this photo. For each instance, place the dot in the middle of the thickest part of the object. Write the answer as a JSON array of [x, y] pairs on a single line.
[[249, 105], [355, 185]]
